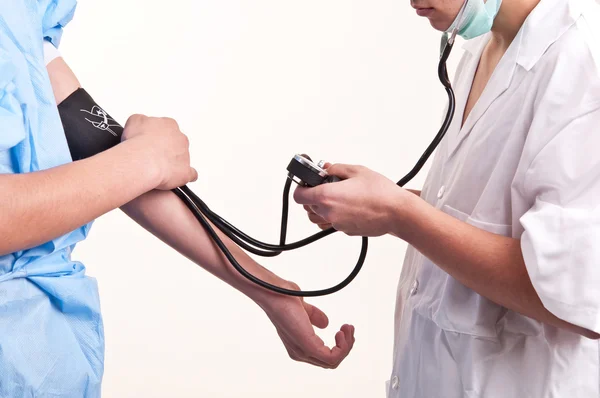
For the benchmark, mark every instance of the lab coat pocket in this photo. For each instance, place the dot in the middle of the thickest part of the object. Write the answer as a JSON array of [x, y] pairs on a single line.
[[459, 309]]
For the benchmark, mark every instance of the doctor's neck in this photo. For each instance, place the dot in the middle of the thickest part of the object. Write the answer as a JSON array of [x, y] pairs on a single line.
[[510, 18]]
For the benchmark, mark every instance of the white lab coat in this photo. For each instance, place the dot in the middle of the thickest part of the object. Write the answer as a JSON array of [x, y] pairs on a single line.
[[526, 164]]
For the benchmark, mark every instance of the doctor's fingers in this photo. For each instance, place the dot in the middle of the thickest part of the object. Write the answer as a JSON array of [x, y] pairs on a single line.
[[345, 171], [315, 218], [322, 224], [311, 209], [306, 196]]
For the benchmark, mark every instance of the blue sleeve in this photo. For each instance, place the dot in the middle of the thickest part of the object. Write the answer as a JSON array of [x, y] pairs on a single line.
[[12, 129], [56, 15]]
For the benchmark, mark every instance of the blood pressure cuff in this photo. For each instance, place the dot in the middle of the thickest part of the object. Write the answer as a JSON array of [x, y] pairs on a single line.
[[88, 128]]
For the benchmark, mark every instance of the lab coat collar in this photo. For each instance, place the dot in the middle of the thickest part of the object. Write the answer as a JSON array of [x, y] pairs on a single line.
[[499, 82], [544, 26], [548, 21]]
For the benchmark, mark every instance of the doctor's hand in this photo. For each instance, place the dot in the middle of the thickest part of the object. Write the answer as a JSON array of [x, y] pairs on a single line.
[[163, 147], [365, 203], [294, 320]]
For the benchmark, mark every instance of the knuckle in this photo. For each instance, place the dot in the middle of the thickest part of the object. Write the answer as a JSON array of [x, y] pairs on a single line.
[[352, 169], [169, 122], [136, 119], [138, 116], [294, 357], [324, 197]]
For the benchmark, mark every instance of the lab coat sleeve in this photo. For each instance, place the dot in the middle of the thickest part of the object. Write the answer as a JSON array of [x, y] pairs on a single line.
[[56, 14], [561, 239]]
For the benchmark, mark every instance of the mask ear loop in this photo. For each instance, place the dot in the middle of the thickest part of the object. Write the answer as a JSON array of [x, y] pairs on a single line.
[[448, 39]]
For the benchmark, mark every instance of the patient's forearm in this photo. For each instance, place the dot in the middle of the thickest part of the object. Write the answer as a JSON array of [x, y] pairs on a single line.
[[164, 215]]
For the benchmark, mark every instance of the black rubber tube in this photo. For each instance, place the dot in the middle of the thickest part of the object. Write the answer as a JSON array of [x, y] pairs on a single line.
[[204, 214]]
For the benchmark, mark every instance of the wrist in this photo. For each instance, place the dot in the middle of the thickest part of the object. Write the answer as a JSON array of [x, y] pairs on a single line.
[[403, 211], [264, 298], [143, 162]]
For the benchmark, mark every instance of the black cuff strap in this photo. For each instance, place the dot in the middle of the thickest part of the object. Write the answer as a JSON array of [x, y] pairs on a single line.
[[88, 128]]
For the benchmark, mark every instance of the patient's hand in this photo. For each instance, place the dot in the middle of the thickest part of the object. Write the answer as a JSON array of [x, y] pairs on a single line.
[[294, 320]]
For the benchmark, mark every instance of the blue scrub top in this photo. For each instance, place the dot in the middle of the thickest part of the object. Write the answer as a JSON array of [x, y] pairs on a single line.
[[51, 335]]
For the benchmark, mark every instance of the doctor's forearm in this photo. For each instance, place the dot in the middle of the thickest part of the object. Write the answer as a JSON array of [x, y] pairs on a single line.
[[164, 215], [492, 265]]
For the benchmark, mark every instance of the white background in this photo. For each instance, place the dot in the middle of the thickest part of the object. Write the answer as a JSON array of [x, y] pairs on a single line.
[[252, 83]]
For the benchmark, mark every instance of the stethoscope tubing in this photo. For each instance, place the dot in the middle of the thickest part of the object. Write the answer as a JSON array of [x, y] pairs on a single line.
[[206, 216]]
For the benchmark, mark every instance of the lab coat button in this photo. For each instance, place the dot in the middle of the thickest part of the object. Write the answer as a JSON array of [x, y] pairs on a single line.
[[415, 288], [441, 192], [395, 383]]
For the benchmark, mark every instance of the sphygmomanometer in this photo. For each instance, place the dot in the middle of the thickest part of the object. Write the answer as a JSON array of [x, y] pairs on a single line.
[[90, 130]]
